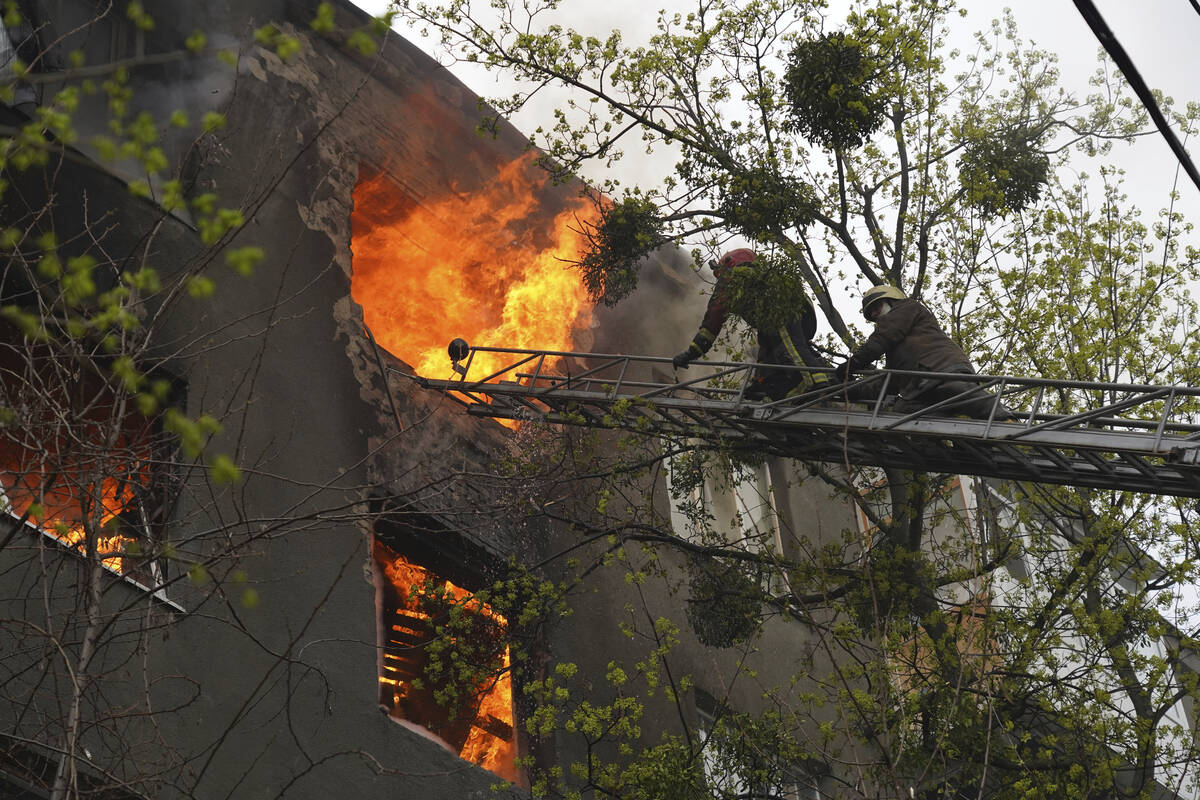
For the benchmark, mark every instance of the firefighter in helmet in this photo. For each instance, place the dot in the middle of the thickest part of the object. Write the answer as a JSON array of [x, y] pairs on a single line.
[[790, 344], [908, 334]]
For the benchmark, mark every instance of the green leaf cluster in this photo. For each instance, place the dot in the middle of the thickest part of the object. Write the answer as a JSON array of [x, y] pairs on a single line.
[[832, 87], [761, 201], [627, 232], [724, 607], [1003, 172], [767, 294]]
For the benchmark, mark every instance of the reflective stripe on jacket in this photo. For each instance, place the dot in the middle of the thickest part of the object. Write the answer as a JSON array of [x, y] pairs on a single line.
[[782, 346]]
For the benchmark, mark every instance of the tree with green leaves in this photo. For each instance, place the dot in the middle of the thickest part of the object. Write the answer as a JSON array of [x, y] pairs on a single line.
[[1023, 642]]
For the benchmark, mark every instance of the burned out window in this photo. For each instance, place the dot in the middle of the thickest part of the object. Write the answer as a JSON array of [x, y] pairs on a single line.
[[80, 463], [445, 667]]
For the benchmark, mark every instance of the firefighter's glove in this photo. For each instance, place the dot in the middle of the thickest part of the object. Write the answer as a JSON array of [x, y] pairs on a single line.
[[683, 359], [841, 372]]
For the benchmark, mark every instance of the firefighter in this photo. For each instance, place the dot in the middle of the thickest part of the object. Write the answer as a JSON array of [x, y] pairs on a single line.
[[791, 344], [907, 333]]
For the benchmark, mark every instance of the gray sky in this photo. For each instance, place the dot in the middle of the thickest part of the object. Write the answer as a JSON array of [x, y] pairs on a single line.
[[1160, 36]]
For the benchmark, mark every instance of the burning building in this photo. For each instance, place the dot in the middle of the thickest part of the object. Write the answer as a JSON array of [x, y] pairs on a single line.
[[243, 554], [174, 625]]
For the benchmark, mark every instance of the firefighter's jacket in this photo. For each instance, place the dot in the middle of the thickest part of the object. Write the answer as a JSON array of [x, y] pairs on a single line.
[[786, 345], [910, 337]]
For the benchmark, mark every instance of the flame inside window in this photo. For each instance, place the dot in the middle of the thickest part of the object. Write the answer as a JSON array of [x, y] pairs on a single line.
[[424, 619], [488, 265], [74, 456]]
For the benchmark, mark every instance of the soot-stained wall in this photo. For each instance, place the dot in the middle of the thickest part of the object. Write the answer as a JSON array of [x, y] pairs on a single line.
[[278, 697]]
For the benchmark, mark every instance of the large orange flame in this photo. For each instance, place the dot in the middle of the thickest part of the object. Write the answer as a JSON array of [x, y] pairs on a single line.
[[488, 266], [489, 741], [61, 505]]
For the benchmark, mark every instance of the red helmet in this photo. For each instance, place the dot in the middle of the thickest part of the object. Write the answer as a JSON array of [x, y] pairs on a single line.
[[734, 258]]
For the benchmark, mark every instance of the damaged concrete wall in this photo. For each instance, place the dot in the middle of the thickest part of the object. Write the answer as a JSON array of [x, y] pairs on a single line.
[[280, 698]]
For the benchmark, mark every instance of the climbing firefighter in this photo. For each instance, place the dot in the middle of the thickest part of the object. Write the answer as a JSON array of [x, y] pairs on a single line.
[[790, 344], [907, 333]]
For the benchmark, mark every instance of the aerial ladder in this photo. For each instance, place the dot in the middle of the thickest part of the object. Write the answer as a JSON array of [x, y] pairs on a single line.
[[1128, 437]]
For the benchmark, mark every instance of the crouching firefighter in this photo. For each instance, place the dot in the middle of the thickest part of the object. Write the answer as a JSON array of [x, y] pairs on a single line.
[[908, 334], [790, 344]]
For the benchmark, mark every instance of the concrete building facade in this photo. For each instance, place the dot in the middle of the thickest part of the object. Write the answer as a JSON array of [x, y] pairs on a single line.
[[253, 643]]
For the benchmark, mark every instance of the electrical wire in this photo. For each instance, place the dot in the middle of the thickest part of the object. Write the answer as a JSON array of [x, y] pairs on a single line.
[[1102, 32]]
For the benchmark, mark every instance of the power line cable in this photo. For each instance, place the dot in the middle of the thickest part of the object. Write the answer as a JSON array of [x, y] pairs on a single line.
[[1102, 32], [1196, 5]]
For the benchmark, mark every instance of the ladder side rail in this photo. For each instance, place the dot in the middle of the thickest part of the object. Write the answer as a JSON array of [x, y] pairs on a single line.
[[1093, 414], [601, 383], [1097, 439], [1133, 459], [565, 381], [451, 388], [477, 382], [607, 386], [1147, 425], [949, 401], [1024, 382], [932, 425], [665, 388], [1063, 383], [562, 353]]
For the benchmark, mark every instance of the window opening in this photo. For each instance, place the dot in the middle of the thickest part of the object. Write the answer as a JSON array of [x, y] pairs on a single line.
[[723, 752], [77, 457], [425, 617], [27, 773], [721, 780], [734, 500]]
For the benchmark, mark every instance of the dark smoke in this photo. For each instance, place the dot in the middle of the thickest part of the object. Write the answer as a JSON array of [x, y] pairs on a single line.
[[660, 317]]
